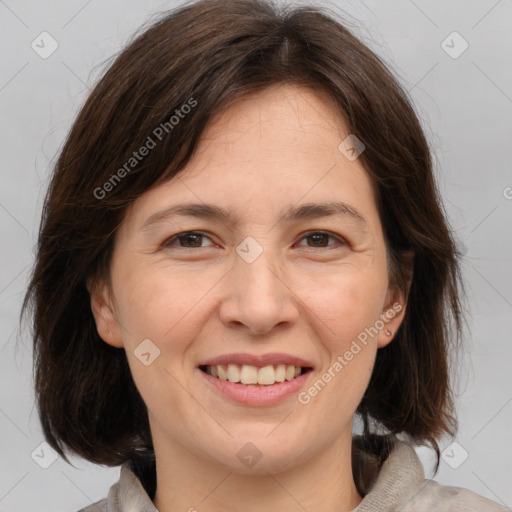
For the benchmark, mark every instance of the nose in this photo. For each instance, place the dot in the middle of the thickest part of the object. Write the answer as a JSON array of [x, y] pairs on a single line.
[[258, 297]]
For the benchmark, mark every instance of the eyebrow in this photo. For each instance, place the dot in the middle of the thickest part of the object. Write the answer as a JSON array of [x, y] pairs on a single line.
[[304, 211]]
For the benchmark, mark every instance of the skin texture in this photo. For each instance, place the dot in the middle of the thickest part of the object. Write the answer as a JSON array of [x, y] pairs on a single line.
[[305, 296]]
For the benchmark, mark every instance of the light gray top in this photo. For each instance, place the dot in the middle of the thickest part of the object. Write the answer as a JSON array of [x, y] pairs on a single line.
[[399, 484]]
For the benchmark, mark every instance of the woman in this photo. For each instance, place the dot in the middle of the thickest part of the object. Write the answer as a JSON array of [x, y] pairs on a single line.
[[242, 248]]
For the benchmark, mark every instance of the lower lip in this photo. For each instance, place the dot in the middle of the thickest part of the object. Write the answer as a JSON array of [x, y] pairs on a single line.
[[254, 394]]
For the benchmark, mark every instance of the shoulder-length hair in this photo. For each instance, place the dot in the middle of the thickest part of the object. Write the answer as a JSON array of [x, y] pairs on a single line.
[[163, 89]]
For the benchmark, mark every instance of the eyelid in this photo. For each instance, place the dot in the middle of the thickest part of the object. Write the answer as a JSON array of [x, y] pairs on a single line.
[[168, 241], [177, 236], [330, 234]]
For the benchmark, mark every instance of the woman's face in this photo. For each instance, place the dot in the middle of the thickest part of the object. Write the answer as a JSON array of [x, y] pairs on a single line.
[[267, 283]]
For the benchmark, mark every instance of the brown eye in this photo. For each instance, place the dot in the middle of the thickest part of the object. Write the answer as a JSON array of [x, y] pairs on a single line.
[[187, 240], [320, 239]]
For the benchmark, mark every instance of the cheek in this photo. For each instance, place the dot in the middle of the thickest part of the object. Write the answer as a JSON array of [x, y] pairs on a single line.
[[162, 307], [346, 308], [158, 303], [347, 303]]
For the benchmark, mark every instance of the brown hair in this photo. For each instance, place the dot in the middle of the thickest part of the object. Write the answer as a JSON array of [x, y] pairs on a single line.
[[208, 55]]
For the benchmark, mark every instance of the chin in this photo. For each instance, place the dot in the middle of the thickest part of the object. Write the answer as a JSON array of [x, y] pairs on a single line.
[[260, 455], [273, 464]]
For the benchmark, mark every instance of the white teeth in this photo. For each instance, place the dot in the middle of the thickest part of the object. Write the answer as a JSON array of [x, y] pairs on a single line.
[[290, 372], [233, 373], [222, 373], [248, 374], [266, 375], [281, 373]]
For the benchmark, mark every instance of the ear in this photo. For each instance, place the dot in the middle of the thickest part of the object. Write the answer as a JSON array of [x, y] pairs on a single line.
[[103, 312], [395, 305]]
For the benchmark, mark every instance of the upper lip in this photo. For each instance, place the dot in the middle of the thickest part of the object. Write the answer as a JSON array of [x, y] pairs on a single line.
[[257, 360]]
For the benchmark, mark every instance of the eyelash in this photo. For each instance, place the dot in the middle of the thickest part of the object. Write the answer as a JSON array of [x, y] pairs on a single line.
[[168, 243]]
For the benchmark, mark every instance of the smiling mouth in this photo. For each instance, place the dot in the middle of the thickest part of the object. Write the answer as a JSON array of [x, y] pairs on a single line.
[[248, 374]]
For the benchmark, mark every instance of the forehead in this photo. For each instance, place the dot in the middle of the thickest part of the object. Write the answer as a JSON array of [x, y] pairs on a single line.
[[296, 116], [270, 150]]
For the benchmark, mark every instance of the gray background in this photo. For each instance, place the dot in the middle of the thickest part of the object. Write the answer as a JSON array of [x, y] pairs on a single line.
[[465, 104]]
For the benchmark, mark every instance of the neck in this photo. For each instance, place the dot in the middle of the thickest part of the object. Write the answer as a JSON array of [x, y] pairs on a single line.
[[189, 483]]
